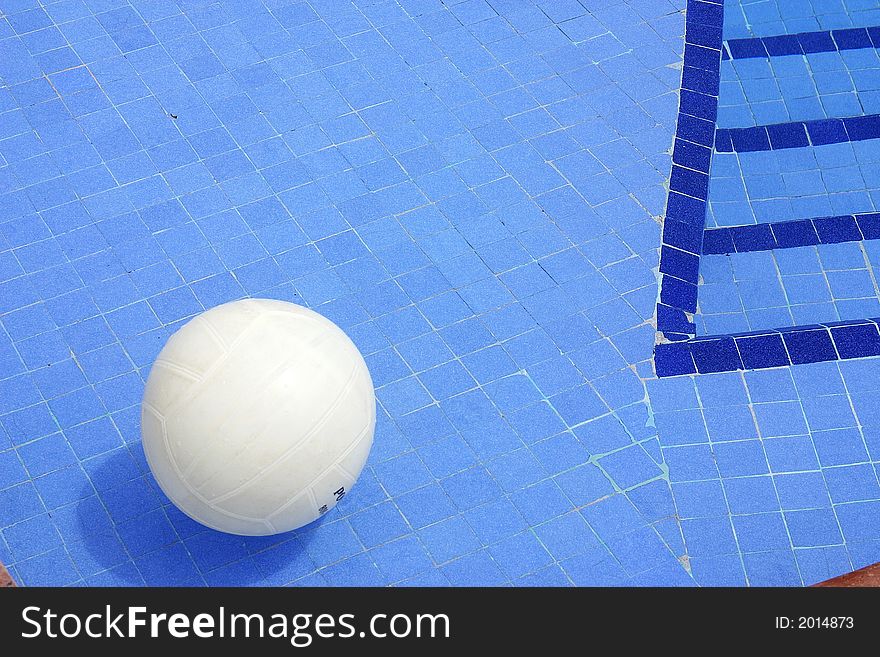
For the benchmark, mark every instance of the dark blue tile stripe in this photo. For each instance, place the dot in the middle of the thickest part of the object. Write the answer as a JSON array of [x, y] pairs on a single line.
[[685, 239], [790, 234], [689, 180], [804, 43], [797, 134], [765, 349]]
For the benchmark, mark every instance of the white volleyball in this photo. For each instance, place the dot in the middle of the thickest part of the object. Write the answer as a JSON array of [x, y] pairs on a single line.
[[258, 416]]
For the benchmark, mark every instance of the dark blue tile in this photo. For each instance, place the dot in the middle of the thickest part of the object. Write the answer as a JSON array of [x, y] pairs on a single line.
[[673, 319], [750, 139], [859, 128], [689, 182], [852, 39], [683, 236], [697, 79], [788, 135], [833, 230], [673, 359], [857, 340], [826, 131], [746, 48], [700, 105], [762, 351], [679, 294], [717, 241], [701, 34], [874, 33], [809, 346], [723, 141], [784, 44], [685, 266], [686, 209], [695, 130], [795, 233], [869, 225], [718, 354], [758, 237], [692, 156], [700, 57], [709, 14], [816, 42]]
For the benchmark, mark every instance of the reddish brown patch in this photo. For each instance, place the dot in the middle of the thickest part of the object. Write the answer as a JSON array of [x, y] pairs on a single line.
[[5, 577], [869, 576]]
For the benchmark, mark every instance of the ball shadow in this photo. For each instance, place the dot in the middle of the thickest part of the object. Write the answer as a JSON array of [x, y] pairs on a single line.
[[163, 546]]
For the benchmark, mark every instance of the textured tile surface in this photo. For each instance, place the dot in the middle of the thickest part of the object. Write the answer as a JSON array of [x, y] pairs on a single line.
[[474, 192], [774, 470], [471, 189]]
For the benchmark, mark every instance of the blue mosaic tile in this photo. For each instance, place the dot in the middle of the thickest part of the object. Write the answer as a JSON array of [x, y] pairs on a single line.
[[472, 192], [794, 134], [788, 432], [837, 228], [801, 43]]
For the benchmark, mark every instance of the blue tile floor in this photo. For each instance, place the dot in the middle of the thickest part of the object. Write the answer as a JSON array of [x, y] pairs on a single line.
[[474, 191], [778, 89], [804, 285]]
